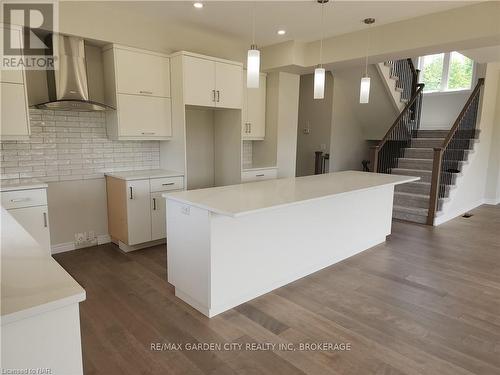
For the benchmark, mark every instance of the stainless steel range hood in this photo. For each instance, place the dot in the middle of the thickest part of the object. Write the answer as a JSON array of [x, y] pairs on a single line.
[[67, 84]]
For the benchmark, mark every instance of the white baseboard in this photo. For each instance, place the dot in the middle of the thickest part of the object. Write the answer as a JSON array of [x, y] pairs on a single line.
[[447, 216], [493, 201], [69, 246]]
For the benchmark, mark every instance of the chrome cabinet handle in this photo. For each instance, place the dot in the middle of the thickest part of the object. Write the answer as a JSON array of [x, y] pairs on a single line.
[[15, 200], [146, 92], [45, 223], [213, 95], [154, 204], [260, 175], [131, 193], [218, 96], [148, 133], [249, 128], [168, 184]]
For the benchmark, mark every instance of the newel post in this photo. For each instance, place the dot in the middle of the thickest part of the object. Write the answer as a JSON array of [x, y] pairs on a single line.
[[374, 158]]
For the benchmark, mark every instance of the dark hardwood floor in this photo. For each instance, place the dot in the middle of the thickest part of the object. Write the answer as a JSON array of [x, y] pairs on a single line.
[[425, 302]]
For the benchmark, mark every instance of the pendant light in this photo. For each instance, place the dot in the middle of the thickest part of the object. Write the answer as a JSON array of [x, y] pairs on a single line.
[[253, 60], [364, 88], [319, 72]]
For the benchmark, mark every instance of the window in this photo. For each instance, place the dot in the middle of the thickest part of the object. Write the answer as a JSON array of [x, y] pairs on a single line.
[[446, 72]]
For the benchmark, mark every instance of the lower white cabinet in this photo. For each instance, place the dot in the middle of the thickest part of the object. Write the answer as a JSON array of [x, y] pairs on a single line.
[[259, 174], [136, 209], [29, 208]]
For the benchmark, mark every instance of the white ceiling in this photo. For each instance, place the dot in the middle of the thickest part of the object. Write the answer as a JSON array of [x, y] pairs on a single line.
[[301, 19]]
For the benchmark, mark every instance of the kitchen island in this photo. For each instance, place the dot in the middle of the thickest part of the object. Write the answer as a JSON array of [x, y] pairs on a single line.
[[40, 321], [230, 244]]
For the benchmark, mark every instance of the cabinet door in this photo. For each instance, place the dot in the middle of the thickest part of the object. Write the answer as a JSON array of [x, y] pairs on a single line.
[[199, 81], [138, 212], [15, 75], [158, 221], [14, 113], [142, 73], [144, 117], [36, 222], [229, 85], [255, 125]]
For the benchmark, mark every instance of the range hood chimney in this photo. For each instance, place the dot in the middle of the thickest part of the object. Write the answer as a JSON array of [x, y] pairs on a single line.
[[67, 84]]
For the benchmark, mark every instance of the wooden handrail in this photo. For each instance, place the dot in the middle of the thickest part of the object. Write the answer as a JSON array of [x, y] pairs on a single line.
[[403, 113], [454, 128], [412, 67]]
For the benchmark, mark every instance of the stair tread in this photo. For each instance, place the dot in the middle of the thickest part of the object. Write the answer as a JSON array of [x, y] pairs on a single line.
[[410, 170], [419, 159], [411, 194], [411, 210]]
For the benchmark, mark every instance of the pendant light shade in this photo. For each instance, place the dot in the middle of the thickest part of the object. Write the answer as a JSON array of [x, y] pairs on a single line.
[[319, 83], [253, 67], [364, 90]]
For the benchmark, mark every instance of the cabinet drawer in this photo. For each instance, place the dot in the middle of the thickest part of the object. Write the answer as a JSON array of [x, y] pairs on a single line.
[[24, 198], [259, 175], [167, 183]]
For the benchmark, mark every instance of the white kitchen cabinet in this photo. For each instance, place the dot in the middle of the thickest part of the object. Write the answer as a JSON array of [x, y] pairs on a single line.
[[142, 116], [138, 212], [211, 82], [199, 81], [142, 73], [29, 207], [158, 218], [228, 84], [136, 209], [259, 174], [14, 117], [137, 84], [253, 117]]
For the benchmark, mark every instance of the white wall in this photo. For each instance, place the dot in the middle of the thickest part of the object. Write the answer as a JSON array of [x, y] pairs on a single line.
[[493, 182], [440, 110], [315, 115], [479, 174]]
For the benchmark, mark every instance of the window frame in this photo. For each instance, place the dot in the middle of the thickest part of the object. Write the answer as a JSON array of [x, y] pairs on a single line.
[[445, 75]]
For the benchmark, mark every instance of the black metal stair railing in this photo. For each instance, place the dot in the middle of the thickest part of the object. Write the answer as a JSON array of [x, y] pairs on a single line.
[[384, 156], [449, 158], [407, 77]]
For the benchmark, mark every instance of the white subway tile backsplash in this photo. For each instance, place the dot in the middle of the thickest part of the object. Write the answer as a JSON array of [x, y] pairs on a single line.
[[72, 146]]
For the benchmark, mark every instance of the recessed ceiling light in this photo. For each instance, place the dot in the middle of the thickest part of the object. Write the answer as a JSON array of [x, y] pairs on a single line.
[[281, 32], [198, 5]]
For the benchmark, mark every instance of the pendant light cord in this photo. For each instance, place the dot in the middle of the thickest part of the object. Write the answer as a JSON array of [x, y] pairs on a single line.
[[322, 35], [253, 23], [366, 51]]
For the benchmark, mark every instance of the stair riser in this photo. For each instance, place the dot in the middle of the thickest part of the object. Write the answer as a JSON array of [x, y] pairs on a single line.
[[419, 153], [414, 202], [432, 133], [414, 188], [426, 143], [417, 188], [424, 165], [409, 217]]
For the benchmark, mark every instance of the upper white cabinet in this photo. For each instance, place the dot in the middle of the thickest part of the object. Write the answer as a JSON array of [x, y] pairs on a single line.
[[142, 73], [137, 84], [211, 82], [14, 117], [253, 116]]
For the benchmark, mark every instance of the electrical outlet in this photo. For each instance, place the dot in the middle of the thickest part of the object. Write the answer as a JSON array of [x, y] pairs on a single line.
[[85, 239], [79, 238]]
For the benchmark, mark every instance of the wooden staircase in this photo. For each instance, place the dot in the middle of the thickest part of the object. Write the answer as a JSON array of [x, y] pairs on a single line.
[[436, 156]]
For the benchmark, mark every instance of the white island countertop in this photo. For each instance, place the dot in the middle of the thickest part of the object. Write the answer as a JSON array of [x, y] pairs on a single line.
[[238, 200], [32, 282], [144, 174]]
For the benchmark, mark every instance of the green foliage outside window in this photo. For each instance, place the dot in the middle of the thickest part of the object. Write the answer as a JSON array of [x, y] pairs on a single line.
[[432, 72], [460, 73]]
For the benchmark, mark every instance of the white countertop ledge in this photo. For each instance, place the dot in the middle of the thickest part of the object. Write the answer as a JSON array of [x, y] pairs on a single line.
[[251, 169], [32, 282], [243, 199], [145, 174], [12, 186]]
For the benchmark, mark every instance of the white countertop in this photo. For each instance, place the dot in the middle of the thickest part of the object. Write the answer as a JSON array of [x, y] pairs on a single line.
[[238, 200], [7, 185], [32, 282], [142, 175]]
